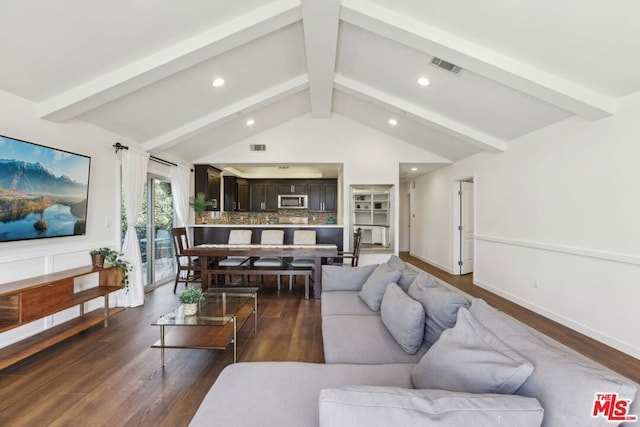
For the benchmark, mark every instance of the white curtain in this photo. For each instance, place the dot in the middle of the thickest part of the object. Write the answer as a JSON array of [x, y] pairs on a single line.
[[180, 179], [134, 177]]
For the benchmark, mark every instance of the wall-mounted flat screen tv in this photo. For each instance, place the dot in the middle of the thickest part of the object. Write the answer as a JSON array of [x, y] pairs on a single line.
[[43, 191]]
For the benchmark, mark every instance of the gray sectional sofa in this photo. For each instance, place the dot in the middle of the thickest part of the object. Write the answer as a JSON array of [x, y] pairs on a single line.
[[403, 348]]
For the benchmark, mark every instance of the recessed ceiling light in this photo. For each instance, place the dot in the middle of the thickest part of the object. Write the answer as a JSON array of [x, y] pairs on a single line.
[[393, 122], [414, 169], [250, 122], [423, 81], [217, 82]]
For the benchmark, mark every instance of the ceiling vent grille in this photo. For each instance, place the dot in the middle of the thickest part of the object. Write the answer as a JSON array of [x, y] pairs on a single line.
[[448, 66], [258, 147]]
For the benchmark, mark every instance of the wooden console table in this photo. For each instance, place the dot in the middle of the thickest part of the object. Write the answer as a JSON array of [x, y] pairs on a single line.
[[31, 299]]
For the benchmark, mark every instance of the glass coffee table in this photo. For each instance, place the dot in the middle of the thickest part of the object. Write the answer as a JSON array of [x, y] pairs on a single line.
[[216, 323]]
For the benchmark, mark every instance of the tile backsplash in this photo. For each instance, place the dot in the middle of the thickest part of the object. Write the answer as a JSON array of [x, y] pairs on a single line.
[[293, 216]]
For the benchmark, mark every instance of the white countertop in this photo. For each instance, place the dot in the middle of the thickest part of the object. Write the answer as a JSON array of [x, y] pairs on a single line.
[[269, 225]]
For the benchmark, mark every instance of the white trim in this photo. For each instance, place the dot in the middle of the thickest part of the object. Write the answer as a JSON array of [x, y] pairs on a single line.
[[583, 329], [455, 268], [48, 257], [591, 253], [434, 263]]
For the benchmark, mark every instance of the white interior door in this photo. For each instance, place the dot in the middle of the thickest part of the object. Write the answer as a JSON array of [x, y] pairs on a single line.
[[466, 229], [409, 222]]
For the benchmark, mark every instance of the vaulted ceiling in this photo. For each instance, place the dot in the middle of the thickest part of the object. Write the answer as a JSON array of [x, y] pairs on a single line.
[[144, 69]]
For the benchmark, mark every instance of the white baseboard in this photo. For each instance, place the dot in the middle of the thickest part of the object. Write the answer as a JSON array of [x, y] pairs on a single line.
[[596, 335], [435, 264]]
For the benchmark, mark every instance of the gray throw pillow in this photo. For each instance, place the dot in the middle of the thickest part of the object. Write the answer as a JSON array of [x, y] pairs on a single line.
[[564, 381], [469, 358], [440, 305], [377, 406], [425, 280], [395, 263], [339, 278], [408, 273], [403, 317], [373, 289]]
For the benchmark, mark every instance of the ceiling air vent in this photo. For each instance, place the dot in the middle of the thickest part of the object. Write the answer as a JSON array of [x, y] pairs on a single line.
[[257, 147], [448, 66]]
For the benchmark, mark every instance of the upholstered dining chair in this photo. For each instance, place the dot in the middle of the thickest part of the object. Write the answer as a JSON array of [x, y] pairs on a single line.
[[186, 264], [237, 237], [302, 237], [271, 237]]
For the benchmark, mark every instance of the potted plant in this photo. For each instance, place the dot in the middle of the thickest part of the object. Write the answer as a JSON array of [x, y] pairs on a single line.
[[100, 255], [190, 297], [97, 257], [199, 203]]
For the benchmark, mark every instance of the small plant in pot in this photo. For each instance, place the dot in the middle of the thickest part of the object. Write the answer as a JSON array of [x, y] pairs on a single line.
[[190, 297], [199, 203], [100, 255], [97, 257]]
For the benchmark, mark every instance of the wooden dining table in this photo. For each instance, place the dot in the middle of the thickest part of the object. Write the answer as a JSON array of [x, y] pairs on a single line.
[[210, 254]]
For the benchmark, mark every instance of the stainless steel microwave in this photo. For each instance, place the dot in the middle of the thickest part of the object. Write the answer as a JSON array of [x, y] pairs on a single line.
[[291, 201]]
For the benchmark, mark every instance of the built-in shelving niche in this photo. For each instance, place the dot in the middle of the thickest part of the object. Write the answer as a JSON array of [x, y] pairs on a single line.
[[372, 210]]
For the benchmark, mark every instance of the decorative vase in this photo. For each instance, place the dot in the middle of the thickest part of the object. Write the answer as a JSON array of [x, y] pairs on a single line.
[[97, 260], [190, 309]]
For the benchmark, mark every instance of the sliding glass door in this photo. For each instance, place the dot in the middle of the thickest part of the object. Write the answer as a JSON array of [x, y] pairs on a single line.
[[153, 228]]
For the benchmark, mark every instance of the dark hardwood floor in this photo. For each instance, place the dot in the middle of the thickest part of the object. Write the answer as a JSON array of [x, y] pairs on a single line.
[[111, 377]]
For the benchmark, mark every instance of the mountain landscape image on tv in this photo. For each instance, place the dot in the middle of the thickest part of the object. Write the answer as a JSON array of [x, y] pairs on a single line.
[[43, 191]]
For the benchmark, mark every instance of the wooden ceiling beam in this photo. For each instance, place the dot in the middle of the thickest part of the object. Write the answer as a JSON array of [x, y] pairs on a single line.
[[170, 60], [478, 59], [320, 23], [421, 115]]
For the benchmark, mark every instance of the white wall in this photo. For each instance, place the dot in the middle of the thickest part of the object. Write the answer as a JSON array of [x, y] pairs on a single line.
[[432, 218], [368, 156], [24, 259], [557, 223]]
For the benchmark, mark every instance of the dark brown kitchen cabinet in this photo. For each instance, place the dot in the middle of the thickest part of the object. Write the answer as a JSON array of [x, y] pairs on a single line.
[[230, 193], [236, 194], [323, 196], [264, 196], [292, 187], [243, 195], [207, 181]]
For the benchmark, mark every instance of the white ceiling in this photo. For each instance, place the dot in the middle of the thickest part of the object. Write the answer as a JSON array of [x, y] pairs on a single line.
[[143, 69]]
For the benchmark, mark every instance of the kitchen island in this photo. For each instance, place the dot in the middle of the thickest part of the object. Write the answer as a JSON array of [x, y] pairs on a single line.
[[219, 233]]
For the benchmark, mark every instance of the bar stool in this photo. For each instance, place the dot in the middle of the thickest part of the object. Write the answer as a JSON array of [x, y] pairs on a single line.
[[302, 237], [237, 237], [271, 237]]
